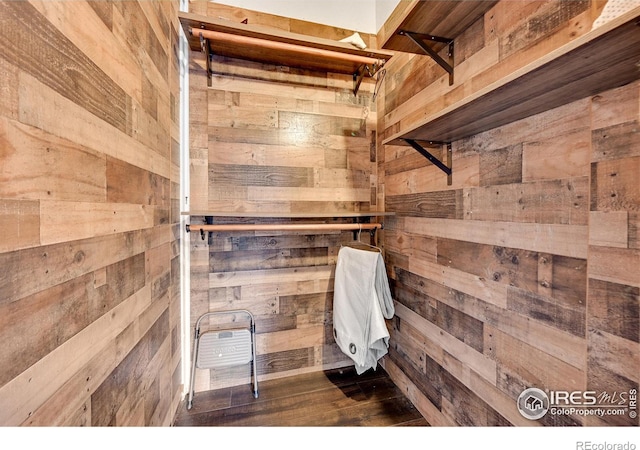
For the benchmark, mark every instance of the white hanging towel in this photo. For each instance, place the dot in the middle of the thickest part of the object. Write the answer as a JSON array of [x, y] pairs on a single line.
[[361, 302]]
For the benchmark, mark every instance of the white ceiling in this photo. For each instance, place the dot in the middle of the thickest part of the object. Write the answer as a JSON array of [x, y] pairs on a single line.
[[366, 16]]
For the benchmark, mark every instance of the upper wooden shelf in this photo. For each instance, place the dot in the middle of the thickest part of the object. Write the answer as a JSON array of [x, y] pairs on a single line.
[[287, 215], [602, 59], [274, 46], [445, 19]]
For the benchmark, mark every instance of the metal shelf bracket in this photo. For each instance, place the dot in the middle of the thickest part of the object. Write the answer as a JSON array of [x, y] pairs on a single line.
[[444, 166], [424, 40]]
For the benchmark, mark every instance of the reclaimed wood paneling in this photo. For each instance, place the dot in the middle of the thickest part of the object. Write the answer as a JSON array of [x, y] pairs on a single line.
[[268, 138], [530, 278], [89, 179], [613, 317], [439, 205]]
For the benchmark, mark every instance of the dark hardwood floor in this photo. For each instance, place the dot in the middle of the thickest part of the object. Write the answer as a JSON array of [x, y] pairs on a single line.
[[336, 397]]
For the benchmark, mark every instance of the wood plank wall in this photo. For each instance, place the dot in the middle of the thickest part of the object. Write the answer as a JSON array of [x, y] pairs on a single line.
[[89, 186], [266, 138], [524, 272]]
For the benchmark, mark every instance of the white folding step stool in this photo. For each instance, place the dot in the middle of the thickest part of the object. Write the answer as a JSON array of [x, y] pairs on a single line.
[[224, 348]]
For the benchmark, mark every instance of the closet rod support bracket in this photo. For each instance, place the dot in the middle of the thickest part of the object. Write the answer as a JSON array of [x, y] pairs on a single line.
[[358, 76], [206, 49], [446, 166], [208, 221], [423, 41]]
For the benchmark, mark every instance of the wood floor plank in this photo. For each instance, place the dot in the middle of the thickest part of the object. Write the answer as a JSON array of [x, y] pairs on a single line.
[[335, 397]]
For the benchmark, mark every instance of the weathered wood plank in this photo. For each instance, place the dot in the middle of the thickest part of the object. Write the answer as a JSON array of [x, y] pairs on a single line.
[[427, 382], [77, 97], [408, 347], [282, 341], [501, 166], [126, 183], [414, 292], [556, 313], [483, 288], [82, 127], [66, 361], [268, 240], [609, 228], [491, 309], [541, 20], [8, 89], [530, 364], [132, 27], [569, 280], [465, 354], [285, 361], [502, 402], [343, 178], [311, 194], [564, 156], [59, 263], [37, 165], [267, 175], [616, 142], [417, 397], [613, 368], [615, 354], [623, 271], [255, 277], [634, 230], [614, 107], [75, 75], [466, 407], [323, 125], [442, 204], [240, 260], [232, 153], [96, 40], [614, 185], [296, 138], [614, 308], [430, 178], [82, 304], [111, 403], [287, 95], [239, 117], [554, 201], [566, 240], [20, 224], [513, 267], [85, 220]]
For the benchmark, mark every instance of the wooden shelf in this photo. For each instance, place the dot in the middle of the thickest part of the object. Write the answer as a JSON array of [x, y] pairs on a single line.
[[602, 59], [446, 19], [280, 215], [273, 46], [356, 227]]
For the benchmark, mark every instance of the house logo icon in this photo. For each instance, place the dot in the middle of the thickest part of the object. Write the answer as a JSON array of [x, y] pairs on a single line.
[[533, 403]]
